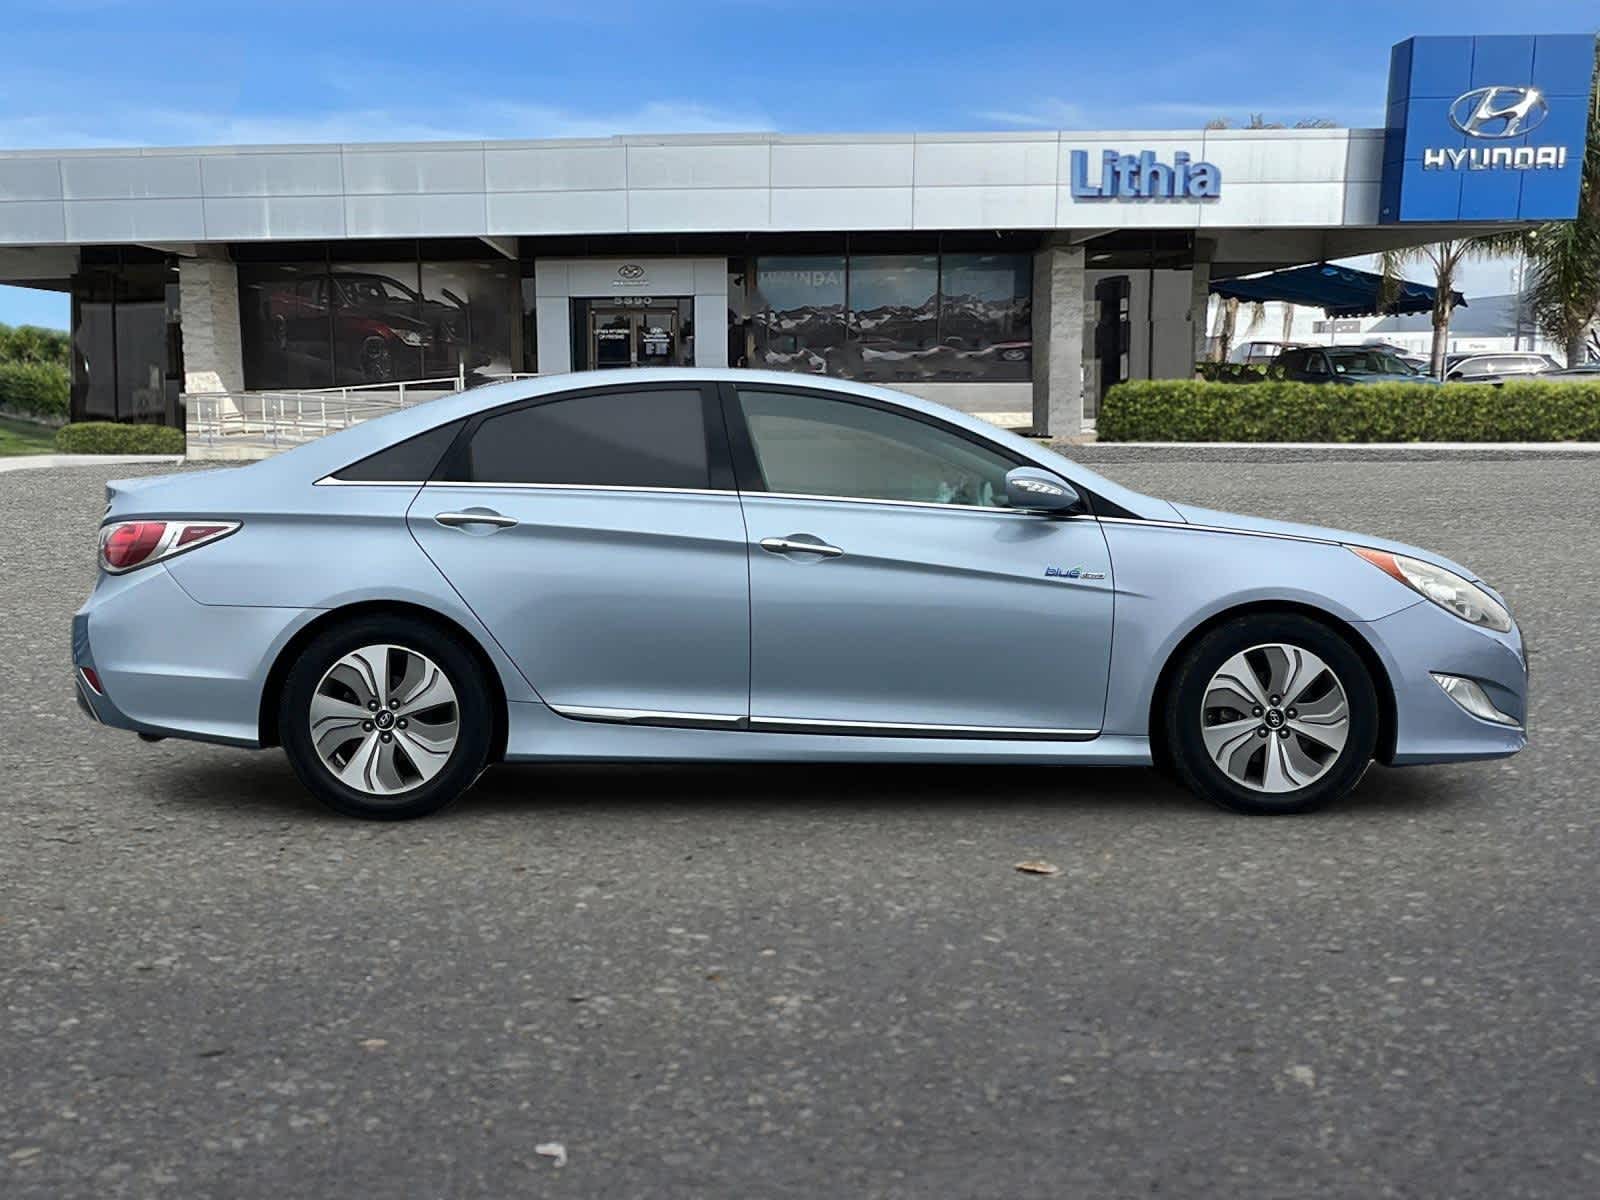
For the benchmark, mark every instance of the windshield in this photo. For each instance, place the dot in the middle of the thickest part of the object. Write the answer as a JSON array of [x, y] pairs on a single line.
[[1367, 362], [374, 290]]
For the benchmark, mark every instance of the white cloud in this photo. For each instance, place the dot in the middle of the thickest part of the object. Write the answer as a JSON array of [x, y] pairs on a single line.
[[468, 119], [1045, 113]]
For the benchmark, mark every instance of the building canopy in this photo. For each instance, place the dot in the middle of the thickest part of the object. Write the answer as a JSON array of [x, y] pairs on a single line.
[[1338, 291]]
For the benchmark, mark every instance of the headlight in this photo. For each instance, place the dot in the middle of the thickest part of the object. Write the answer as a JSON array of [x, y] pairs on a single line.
[[410, 337], [1445, 588]]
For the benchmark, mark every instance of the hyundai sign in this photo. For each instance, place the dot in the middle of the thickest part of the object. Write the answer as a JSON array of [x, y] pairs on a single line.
[[1486, 128]]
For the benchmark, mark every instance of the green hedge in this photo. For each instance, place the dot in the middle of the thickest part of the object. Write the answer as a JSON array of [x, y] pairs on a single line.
[[108, 437], [1187, 410], [34, 389]]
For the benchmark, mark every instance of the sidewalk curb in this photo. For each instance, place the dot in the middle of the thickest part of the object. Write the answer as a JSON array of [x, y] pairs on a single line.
[[26, 462], [1115, 452]]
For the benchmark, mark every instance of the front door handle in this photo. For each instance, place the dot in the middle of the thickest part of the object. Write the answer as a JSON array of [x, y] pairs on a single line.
[[475, 516], [800, 543]]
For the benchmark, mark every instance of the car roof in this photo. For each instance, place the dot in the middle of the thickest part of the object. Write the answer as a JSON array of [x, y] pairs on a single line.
[[321, 458]]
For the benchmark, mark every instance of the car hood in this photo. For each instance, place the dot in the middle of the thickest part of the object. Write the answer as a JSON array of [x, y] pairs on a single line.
[[1384, 377], [1265, 525]]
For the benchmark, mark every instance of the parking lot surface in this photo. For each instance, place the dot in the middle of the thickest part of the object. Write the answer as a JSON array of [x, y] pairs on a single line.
[[812, 981]]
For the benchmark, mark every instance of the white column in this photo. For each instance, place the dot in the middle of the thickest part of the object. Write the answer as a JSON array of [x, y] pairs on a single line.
[[208, 298], [552, 316], [1058, 341], [1200, 296]]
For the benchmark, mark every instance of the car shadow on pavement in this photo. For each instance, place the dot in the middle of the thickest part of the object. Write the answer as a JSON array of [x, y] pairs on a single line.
[[264, 781]]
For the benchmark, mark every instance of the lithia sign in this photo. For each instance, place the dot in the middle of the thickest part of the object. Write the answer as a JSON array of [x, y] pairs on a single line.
[[1143, 177]]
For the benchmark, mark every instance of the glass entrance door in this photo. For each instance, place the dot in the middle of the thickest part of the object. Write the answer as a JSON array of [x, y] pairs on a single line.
[[610, 338], [633, 337]]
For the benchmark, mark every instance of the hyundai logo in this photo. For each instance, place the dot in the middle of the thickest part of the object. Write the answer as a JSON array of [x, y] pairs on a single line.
[[630, 271], [1499, 112]]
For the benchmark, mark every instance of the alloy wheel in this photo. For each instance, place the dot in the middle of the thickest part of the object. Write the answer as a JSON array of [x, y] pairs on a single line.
[[1275, 718], [384, 719]]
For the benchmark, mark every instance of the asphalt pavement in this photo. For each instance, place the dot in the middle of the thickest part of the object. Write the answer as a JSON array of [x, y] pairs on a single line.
[[812, 981]]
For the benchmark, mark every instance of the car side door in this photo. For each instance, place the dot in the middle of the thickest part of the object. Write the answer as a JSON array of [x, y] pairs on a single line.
[[598, 535], [894, 592]]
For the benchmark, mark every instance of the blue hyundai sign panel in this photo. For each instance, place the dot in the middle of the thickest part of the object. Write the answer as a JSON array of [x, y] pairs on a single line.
[[1486, 128]]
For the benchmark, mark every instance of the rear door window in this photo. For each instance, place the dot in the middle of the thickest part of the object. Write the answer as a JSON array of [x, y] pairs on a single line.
[[644, 438]]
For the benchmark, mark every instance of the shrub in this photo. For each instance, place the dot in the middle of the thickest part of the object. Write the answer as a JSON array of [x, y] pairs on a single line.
[[34, 389], [32, 344], [1275, 410], [108, 437]]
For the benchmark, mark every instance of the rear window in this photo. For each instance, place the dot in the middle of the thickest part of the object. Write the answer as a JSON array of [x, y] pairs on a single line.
[[410, 461]]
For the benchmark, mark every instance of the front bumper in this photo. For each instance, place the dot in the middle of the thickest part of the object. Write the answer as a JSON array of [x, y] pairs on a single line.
[[1430, 727]]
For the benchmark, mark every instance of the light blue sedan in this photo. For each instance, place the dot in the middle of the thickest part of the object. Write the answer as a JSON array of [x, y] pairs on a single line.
[[741, 565]]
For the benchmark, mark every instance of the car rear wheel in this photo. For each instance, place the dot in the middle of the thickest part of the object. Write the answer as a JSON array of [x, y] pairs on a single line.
[[1271, 714], [386, 718]]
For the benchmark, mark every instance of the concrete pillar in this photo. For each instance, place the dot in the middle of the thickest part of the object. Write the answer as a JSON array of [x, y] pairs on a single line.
[[1200, 295], [1058, 306], [208, 296]]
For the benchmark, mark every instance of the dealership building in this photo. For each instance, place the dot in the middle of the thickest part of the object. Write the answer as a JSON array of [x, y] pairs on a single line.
[[1017, 273]]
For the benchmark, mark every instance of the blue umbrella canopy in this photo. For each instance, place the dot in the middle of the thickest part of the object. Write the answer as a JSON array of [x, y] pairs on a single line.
[[1338, 291]]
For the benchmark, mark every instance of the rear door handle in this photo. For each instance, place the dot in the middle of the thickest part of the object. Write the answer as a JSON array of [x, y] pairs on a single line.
[[475, 516], [800, 543]]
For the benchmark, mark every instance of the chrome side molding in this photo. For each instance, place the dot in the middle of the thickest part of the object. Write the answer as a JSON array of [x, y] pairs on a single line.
[[688, 720]]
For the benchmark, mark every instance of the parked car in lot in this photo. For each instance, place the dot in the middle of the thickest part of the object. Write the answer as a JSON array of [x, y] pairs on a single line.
[[1259, 353], [699, 564], [1585, 373], [1493, 367], [1417, 362], [1344, 364]]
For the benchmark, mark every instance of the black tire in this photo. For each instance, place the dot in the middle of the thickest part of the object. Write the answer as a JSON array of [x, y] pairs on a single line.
[[1183, 720], [474, 717]]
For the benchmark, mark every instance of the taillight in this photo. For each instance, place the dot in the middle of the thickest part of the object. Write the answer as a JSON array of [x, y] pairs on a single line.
[[125, 545]]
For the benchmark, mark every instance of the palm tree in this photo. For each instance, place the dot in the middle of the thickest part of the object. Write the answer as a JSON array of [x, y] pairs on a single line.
[[1564, 256], [1445, 258], [1227, 321]]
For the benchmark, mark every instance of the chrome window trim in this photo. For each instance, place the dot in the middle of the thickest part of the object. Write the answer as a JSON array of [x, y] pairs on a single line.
[[986, 509], [898, 729], [330, 481], [579, 487]]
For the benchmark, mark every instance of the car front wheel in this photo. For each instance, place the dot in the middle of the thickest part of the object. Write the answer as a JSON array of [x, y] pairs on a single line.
[[1271, 714], [386, 718]]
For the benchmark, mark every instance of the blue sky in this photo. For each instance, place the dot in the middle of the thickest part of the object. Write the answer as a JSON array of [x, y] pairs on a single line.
[[108, 72]]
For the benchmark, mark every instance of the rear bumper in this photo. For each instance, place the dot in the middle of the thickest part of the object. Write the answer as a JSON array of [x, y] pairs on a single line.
[[1430, 727], [168, 666]]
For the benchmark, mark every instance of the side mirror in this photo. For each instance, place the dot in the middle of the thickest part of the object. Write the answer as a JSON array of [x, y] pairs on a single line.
[[1038, 490]]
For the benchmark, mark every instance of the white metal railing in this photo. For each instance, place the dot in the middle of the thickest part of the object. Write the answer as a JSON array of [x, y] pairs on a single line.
[[279, 419]]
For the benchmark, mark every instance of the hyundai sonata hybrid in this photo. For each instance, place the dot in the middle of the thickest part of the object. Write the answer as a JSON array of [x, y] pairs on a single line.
[[693, 564]]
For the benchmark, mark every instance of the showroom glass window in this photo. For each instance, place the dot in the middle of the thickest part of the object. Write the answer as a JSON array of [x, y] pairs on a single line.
[[650, 438], [894, 316], [985, 317], [799, 313], [127, 357], [811, 445], [395, 317], [944, 317]]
